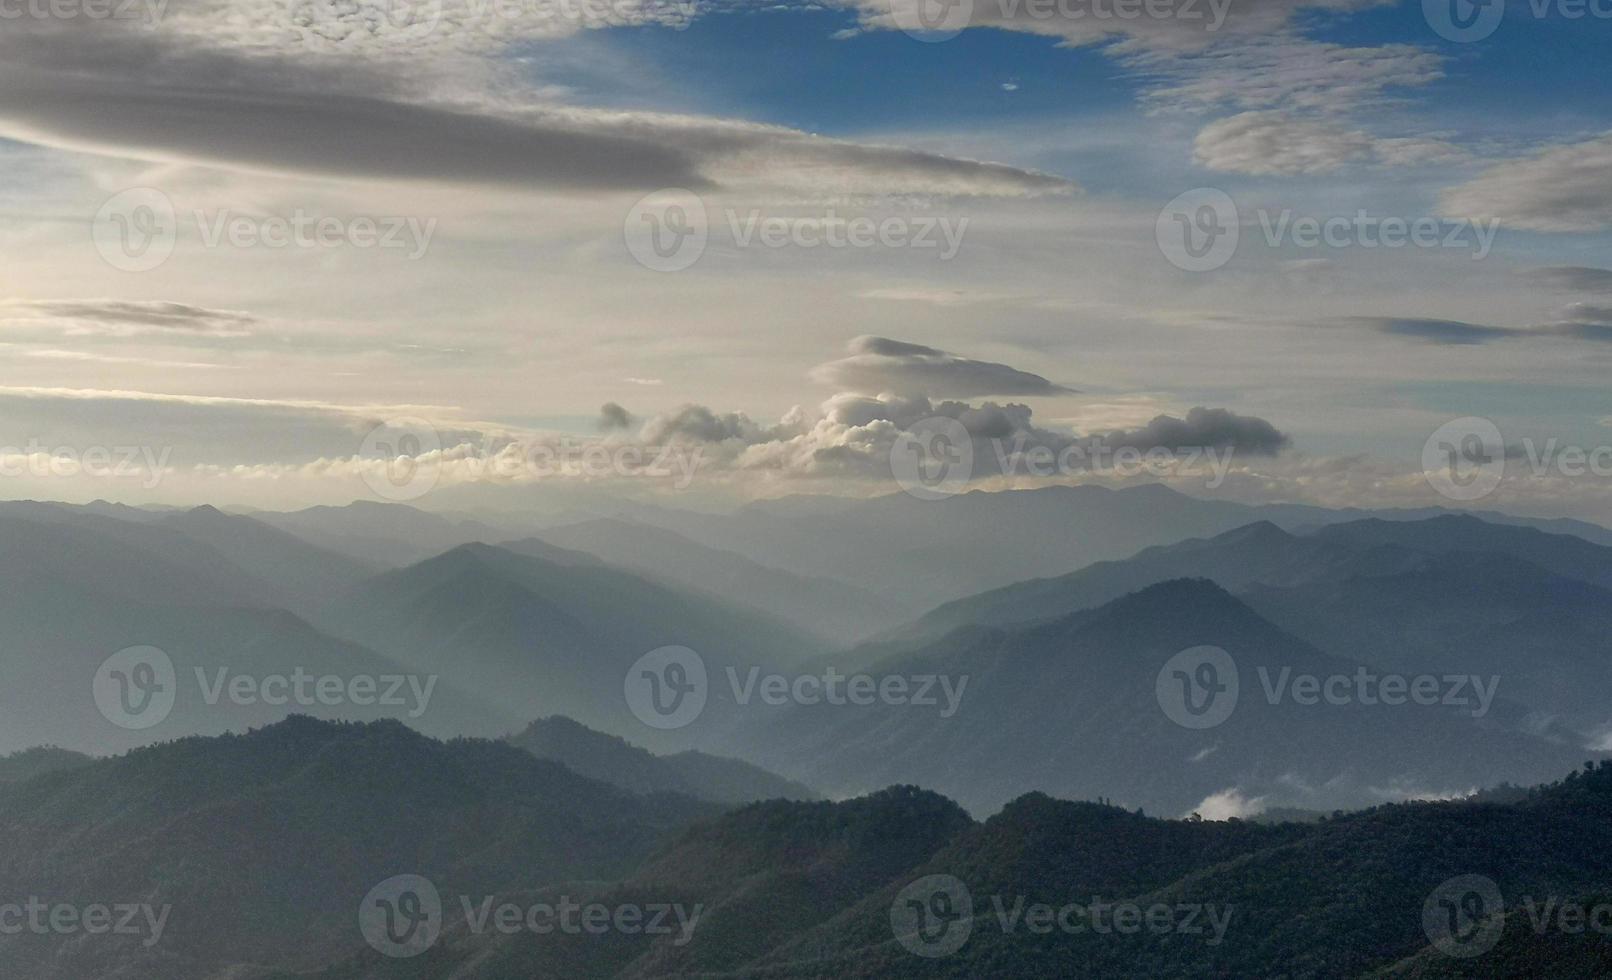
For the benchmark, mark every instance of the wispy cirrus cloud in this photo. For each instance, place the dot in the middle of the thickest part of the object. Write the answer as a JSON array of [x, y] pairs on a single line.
[[1575, 278], [127, 318], [1277, 143]]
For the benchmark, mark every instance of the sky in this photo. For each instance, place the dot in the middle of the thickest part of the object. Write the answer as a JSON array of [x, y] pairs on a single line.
[[266, 253]]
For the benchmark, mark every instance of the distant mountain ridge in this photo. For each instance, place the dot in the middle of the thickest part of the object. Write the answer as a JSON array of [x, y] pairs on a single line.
[[1072, 706], [1450, 592], [555, 631], [619, 763], [811, 603]]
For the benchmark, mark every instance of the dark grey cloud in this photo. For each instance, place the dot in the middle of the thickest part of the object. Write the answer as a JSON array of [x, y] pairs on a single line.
[[1588, 313], [1598, 332], [142, 315], [1455, 332], [612, 417], [696, 423], [1208, 428], [169, 94], [879, 364], [342, 135], [1574, 277], [1577, 322]]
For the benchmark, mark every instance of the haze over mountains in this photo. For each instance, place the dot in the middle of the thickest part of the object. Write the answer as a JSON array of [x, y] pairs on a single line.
[[997, 659]]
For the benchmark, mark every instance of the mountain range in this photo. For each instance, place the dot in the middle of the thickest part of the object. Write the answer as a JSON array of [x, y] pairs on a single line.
[[259, 853]]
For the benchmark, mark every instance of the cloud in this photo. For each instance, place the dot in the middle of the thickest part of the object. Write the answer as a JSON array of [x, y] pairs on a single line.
[[200, 89], [1209, 428], [1433, 331], [1576, 322], [852, 437], [1564, 188], [1188, 26], [1228, 804], [1281, 71], [1573, 277], [880, 364], [613, 417], [1273, 142], [122, 318], [1597, 331], [696, 423]]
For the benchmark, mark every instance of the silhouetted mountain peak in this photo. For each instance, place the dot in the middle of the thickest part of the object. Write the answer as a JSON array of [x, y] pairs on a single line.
[[1259, 532], [1199, 595]]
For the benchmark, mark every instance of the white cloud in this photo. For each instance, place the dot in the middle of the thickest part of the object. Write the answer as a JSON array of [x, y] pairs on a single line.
[[1274, 142], [1563, 188], [1229, 803]]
